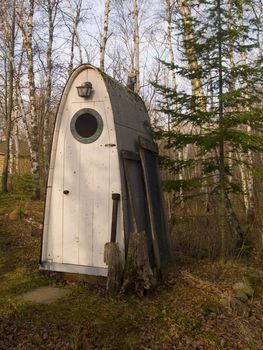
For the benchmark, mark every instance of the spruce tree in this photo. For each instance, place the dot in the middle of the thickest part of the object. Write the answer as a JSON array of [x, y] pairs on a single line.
[[215, 123]]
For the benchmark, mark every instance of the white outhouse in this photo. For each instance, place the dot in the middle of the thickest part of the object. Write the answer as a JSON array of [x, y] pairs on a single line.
[[102, 150]]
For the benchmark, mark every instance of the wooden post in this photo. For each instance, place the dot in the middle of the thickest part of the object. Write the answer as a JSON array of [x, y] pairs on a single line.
[[112, 254]]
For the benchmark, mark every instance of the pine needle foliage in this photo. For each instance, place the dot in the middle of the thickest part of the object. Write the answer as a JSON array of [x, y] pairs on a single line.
[[194, 120]]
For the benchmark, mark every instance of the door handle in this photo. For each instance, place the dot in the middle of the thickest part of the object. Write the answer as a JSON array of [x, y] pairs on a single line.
[[66, 191]]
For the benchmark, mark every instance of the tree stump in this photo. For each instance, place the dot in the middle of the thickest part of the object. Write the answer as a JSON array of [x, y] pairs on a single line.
[[112, 258], [138, 275]]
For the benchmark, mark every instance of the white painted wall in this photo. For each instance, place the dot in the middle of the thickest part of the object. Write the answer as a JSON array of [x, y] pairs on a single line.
[[78, 225]]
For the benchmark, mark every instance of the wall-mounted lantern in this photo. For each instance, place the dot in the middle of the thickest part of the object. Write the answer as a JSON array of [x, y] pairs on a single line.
[[84, 90]]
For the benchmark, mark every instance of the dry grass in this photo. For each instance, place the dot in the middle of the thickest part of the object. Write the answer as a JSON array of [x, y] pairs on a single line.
[[183, 313]]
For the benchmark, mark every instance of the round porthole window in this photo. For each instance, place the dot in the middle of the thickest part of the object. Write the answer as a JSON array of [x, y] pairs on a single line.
[[86, 125]]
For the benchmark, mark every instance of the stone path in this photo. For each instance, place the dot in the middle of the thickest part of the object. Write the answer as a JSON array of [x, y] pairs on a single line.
[[44, 295]]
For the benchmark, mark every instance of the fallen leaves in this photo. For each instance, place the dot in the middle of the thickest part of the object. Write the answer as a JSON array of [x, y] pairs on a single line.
[[186, 312]]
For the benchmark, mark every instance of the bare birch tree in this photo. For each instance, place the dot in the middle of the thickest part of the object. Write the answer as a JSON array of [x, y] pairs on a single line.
[[249, 176], [25, 15], [9, 36], [188, 34], [169, 9], [51, 9], [73, 15], [19, 105], [136, 41], [104, 34]]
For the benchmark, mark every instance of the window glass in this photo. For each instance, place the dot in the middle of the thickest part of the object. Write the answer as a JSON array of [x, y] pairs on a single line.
[[86, 125]]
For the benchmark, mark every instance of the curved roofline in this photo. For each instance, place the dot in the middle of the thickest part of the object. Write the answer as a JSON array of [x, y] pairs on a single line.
[[69, 82], [107, 81], [105, 77]]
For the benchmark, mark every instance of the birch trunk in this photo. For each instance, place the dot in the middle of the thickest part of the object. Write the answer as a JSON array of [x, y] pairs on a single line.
[[72, 45], [188, 33], [232, 82], [75, 39], [196, 84], [52, 6], [136, 45], [11, 155], [9, 32], [78, 42], [104, 34], [26, 25], [169, 39], [21, 110], [35, 168], [174, 86], [16, 144], [250, 180], [243, 177], [223, 208], [244, 173], [249, 175]]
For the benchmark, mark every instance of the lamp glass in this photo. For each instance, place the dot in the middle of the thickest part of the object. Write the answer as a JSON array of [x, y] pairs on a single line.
[[84, 90]]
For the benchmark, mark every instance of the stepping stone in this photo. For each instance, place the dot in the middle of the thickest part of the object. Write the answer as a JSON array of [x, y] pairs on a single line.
[[44, 295]]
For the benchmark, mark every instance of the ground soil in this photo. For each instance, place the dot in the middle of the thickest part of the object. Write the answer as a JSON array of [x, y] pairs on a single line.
[[194, 308]]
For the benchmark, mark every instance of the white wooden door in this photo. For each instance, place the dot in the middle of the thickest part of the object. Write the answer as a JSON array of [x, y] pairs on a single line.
[[86, 205]]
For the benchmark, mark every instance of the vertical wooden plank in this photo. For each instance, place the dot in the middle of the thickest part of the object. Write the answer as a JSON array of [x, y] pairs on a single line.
[[71, 178], [130, 195], [54, 224], [151, 210], [101, 217], [137, 218], [86, 199], [100, 158]]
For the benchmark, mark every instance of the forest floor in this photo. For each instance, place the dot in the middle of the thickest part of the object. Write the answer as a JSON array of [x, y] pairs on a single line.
[[196, 307]]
